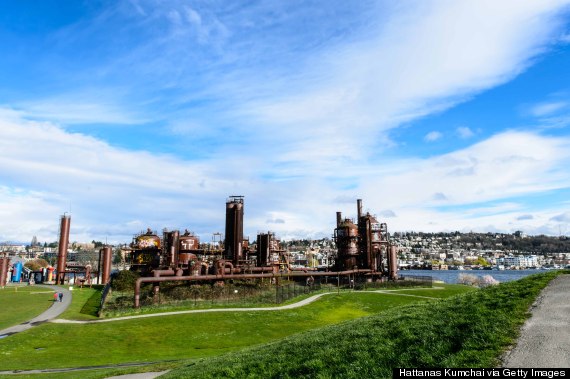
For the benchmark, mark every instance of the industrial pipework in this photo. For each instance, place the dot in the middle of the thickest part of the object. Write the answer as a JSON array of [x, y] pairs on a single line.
[[276, 276], [362, 249], [364, 245], [62, 249]]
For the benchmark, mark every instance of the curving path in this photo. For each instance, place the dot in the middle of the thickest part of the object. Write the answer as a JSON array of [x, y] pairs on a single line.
[[545, 337], [149, 375], [283, 307], [52, 312]]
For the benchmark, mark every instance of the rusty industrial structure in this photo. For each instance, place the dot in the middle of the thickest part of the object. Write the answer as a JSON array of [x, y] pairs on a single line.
[[364, 250]]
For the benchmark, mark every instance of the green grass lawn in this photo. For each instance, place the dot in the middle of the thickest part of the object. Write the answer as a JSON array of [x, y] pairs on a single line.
[[22, 303], [187, 336], [84, 305], [469, 330]]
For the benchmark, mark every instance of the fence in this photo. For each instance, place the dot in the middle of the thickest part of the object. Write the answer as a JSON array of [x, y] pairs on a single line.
[[252, 293], [104, 295]]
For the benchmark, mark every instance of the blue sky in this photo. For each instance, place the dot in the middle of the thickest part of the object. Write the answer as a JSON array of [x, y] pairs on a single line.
[[440, 115]]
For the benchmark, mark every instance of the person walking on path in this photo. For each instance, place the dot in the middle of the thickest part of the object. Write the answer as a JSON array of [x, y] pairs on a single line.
[[54, 297], [60, 297]]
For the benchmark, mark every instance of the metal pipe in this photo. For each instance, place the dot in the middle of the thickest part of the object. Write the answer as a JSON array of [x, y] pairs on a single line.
[[99, 267], [338, 219], [393, 263], [358, 209], [62, 248], [240, 276], [176, 245], [160, 273], [107, 260], [368, 246], [4, 270]]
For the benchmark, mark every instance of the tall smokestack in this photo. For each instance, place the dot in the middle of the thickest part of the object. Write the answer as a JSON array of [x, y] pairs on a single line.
[[107, 260], [4, 270], [233, 243], [358, 209], [62, 248], [393, 262], [338, 219]]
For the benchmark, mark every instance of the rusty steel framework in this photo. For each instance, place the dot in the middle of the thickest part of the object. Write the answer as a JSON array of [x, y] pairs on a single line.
[[364, 245], [364, 249]]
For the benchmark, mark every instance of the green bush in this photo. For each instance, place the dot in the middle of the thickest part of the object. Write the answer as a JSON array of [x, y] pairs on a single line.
[[124, 281]]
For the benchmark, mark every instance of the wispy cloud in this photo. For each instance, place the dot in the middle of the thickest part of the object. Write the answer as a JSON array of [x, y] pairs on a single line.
[[433, 136], [546, 109], [464, 132]]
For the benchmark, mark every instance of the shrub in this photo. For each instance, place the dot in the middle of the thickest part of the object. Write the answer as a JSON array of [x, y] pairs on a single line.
[[124, 281]]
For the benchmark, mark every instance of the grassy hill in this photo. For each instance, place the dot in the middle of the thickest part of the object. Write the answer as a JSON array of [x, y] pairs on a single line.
[[469, 330]]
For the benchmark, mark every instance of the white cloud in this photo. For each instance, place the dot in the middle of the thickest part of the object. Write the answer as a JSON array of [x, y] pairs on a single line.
[[433, 136], [425, 59], [548, 108], [464, 132], [81, 108], [114, 193], [306, 127], [565, 38]]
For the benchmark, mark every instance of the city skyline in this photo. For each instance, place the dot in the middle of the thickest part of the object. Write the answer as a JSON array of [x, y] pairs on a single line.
[[440, 115]]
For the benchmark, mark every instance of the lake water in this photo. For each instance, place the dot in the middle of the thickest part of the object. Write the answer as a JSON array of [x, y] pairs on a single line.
[[451, 276]]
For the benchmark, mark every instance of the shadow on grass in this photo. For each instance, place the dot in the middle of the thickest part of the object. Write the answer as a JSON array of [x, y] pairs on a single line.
[[91, 306]]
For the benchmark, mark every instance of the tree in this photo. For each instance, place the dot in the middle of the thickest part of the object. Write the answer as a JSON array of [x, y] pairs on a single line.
[[36, 264], [117, 257]]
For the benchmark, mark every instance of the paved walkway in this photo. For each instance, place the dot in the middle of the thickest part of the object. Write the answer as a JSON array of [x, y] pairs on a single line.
[[142, 375], [52, 312], [279, 308], [545, 337]]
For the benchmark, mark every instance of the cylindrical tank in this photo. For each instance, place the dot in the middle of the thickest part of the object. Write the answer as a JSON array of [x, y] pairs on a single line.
[[186, 258], [50, 274], [233, 243], [149, 240], [107, 253], [346, 238], [171, 247], [263, 248], [62, 248], [4, 271], [17, 273], [189, 242]]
